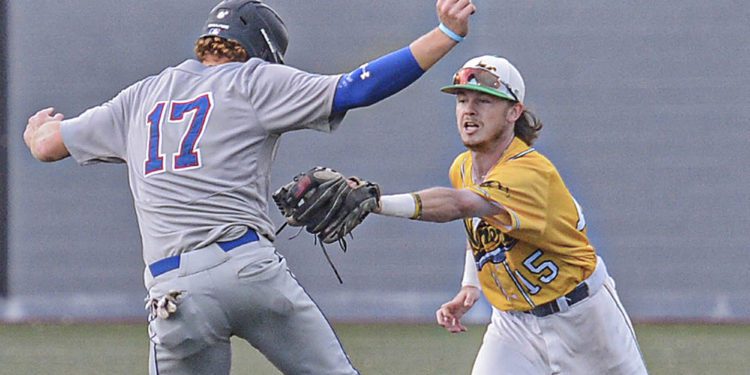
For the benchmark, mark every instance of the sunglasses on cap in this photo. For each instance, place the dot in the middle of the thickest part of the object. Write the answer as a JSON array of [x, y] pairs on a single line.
[[483, 78]]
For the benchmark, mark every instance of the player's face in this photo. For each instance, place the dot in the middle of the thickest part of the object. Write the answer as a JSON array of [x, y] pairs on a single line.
[[484, 121]]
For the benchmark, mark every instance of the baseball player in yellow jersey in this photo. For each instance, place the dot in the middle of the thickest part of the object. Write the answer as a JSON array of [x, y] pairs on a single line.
[[555, 308]]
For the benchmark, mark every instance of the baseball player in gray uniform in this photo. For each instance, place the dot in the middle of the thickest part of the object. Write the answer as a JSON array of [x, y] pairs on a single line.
[[199, 139]]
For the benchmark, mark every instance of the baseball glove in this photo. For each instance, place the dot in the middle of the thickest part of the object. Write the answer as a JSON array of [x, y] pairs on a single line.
[[327, 204]]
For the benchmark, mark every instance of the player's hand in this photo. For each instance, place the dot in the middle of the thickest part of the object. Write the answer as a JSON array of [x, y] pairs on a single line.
[[36, 121], [450, 313], [455, 14]]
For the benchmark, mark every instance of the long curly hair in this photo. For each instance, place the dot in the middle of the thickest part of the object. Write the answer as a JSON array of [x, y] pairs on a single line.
[[220, 47]]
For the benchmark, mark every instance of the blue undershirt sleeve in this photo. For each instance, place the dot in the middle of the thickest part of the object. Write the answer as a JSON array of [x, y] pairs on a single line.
[[376, 80]]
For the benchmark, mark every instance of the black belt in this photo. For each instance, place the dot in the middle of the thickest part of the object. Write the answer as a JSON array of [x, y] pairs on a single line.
[[172, 263], [551, 307]]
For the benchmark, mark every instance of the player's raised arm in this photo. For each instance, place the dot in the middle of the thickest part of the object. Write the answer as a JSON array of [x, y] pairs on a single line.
[[389, 74], [454, 26]]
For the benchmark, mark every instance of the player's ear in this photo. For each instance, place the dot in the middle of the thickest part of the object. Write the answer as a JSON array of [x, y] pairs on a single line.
[[514, 112]]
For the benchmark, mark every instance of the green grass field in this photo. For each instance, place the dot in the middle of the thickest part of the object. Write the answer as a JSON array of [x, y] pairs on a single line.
[[374, 348]]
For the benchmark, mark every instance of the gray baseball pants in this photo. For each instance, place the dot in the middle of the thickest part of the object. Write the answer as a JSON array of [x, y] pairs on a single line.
[[247, 292]]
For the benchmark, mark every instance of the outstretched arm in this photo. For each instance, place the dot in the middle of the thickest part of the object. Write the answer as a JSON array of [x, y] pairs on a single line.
[[389, 74], [43, 137], [440, 204]]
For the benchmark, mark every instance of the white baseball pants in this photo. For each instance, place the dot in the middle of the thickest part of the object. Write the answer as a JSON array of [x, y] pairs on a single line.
[[594, 336]]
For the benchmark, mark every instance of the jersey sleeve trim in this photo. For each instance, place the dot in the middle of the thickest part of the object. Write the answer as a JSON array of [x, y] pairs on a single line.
[[522, 154]]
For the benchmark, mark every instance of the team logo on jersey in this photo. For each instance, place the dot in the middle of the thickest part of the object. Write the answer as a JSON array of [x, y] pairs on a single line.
[[488, 243]]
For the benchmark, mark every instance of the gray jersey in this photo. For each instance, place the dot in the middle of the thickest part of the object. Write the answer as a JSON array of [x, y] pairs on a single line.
[[199, 142]]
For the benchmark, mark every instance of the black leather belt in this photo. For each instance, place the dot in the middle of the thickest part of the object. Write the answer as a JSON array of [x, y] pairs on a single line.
[[551, 307]]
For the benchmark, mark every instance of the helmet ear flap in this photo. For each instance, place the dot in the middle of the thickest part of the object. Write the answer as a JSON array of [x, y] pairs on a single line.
[[274, 33], [272, 52]]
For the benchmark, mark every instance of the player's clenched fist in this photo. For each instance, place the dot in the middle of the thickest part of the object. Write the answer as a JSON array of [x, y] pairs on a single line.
[[40, 128], [39, 118], [455, 14]]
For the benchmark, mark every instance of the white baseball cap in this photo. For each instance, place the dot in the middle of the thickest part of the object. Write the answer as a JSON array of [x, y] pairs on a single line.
[[491, 75]]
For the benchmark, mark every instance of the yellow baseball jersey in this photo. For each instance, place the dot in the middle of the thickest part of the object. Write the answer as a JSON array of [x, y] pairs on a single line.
[[543, 252]]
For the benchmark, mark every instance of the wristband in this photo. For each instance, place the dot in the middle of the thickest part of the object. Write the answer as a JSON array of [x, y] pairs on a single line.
[[457, 38], [401, 205], [417, 207]]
